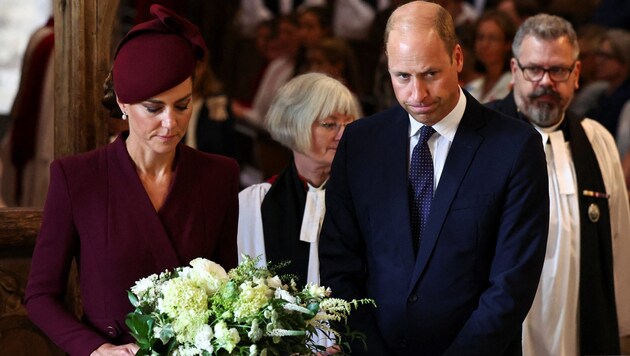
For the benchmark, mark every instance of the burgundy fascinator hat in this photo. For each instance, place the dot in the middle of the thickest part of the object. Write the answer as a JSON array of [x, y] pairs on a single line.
[[156, 55]]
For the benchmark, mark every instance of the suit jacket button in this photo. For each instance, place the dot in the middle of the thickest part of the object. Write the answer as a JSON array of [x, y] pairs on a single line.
[[413, 298], [111, 331]]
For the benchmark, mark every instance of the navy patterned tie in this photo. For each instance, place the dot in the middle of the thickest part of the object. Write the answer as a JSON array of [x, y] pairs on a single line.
[[420, 185]]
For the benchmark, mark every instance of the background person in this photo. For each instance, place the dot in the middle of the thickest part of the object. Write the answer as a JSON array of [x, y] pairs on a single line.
[[581, 307], [462, 283], [493, 40], [211, 126], [613, 66], [127, 210], [280, 220]]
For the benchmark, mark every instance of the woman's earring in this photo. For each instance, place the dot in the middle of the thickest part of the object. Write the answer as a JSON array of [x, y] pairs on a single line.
[[124, 116]]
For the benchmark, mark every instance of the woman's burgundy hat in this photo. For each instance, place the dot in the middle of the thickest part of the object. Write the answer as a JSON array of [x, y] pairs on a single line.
[[156, 55]]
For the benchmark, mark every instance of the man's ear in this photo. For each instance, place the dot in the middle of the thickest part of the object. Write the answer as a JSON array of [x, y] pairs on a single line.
[[513, 68], [458, 57]]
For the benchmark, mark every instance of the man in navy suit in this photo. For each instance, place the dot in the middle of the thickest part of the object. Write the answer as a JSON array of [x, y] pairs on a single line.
[[472, 280]]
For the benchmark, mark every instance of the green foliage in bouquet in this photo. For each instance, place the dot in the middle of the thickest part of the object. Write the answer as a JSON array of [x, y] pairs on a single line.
[[202, 310]]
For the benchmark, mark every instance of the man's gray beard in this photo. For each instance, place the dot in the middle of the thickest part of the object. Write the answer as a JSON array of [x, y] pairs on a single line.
[[543, 114]]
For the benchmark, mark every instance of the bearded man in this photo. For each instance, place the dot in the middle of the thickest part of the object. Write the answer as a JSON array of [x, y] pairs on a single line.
[[581, 306]]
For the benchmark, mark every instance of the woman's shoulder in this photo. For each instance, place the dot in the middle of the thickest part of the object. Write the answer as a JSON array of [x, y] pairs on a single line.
[[255, 192], [80, 161]]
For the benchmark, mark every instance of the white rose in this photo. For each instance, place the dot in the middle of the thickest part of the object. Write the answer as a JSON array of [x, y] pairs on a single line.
[[207, 274], [274, 282], [203, 337]]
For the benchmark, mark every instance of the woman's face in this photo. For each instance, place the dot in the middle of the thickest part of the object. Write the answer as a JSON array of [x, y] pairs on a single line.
[[491, 46], [318, 62], [326, 134], [156, 125]]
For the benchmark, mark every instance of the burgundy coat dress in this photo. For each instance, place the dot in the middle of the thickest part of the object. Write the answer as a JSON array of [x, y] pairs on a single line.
[[98, 211]]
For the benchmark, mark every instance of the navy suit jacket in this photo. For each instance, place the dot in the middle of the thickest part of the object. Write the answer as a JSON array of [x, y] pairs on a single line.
[[478, 267], [98, 212]]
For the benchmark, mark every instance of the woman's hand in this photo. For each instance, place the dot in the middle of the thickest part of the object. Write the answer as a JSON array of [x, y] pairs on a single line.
[[114, 350], [330, 350]]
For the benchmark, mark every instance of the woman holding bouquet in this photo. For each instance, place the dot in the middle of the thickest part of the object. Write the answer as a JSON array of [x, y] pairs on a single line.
[[140, 205], [280, 220]]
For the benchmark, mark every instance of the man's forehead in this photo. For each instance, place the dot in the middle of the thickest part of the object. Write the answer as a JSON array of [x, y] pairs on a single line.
[[539, 48]]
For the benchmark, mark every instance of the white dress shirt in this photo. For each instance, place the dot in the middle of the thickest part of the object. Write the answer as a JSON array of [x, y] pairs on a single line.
[[440, 142]]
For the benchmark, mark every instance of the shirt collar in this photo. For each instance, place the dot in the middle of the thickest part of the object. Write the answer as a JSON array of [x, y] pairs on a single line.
[[447, 127]]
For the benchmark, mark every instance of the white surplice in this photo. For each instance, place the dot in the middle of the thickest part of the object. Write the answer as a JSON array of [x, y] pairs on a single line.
[[251, 239], [552, 325]]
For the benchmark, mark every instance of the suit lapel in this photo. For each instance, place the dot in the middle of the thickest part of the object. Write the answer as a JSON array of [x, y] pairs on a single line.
[[460, 156], [395, 183]]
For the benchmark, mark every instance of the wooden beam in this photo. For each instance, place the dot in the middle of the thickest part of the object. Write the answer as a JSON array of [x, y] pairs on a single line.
[[83, 33], [19, 227]]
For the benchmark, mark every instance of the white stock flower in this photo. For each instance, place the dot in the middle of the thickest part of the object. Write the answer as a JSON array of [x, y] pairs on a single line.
[[187, 351], [284, 295]]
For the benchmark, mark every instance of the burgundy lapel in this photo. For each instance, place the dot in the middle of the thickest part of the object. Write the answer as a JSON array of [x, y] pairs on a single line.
[[131, 207]]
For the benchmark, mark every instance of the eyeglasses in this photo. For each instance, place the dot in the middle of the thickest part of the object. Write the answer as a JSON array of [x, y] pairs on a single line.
[[333, 125], [536, 73]]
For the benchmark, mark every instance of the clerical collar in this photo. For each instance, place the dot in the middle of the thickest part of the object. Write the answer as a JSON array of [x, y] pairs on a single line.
[[549, 129], [545, 131]]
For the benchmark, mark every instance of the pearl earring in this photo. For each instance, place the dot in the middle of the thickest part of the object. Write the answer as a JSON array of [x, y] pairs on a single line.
[[124, 116]]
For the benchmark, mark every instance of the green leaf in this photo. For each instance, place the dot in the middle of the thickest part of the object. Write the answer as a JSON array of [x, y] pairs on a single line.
[[133, 299], [141, 327], [166, 333]]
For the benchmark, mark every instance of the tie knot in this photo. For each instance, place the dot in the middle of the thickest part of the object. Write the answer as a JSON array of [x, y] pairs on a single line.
[[425, 133]]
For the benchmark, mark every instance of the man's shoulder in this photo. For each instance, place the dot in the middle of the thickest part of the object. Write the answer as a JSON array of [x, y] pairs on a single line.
[[395, 111], [499, 114], [506, 106], [594, 129], [376, 123]]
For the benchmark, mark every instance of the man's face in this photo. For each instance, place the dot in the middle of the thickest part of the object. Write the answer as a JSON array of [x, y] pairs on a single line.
[[424, 76], [544, 101]]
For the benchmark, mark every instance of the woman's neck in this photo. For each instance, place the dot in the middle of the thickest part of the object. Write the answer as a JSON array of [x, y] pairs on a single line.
[[314, 172], [150, 163]]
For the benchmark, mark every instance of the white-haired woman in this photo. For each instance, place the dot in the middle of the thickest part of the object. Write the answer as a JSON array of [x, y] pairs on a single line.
[[280, 220]]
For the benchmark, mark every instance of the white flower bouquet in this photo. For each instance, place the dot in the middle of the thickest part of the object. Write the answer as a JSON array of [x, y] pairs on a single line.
[[202, 310]]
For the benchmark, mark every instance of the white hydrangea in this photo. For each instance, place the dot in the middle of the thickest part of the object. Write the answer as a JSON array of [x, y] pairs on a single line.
[[253, 297]]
